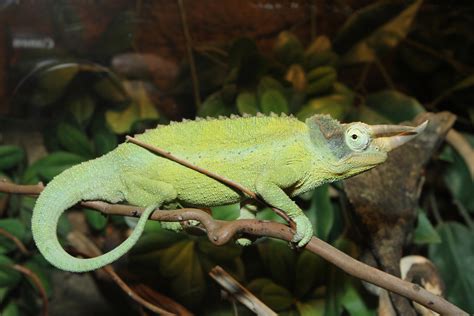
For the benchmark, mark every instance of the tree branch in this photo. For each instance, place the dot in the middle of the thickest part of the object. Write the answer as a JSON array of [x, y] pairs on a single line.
[[221, 232]]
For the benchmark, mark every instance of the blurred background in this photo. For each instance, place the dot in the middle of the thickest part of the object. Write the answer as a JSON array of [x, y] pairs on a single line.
[[76, 76]]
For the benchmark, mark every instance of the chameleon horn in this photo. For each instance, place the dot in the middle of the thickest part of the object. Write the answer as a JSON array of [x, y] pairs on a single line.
[[402, 135], [390, 130]]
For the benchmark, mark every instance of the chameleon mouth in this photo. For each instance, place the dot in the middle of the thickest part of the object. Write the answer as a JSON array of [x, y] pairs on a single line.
[[389, 137]]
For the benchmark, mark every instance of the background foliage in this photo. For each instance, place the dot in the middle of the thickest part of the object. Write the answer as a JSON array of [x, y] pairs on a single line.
[[387, 63]]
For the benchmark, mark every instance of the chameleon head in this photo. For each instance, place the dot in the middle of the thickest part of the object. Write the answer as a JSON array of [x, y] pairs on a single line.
[[349, 149]]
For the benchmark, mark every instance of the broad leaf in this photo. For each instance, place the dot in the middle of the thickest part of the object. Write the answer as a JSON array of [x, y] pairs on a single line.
[[457, 178], [247, 103], [454, 258], [321, 213], [288, 49], [181, 264], [82, 107], [273, 101], [141, 107], [51, 165], [226, 212], [389, 106], [424, 231], [10, 156], [314, 267], [8, 276], [95, 219], [336, 105], [74, 140], [273, 295], [311, 308], [373, 29], [280, 267], [14, 227]]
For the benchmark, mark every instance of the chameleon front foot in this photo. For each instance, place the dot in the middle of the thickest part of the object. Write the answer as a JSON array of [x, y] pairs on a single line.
[[304, 231]]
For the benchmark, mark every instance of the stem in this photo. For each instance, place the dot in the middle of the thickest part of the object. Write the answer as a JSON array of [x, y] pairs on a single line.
[[189, 51]]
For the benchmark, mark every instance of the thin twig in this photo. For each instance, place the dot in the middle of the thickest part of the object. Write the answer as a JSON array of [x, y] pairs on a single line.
[[37, 283], [384, 73], [465, 214], [238, 292], [462, 146], [459, 67], [230, 183], [189, 51], [88, 249], [16, 241]]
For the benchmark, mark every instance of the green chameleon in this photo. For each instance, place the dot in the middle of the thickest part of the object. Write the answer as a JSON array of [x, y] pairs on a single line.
[[277, 157]]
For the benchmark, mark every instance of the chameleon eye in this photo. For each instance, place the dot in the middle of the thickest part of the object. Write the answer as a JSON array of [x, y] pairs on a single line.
[[357, 137]]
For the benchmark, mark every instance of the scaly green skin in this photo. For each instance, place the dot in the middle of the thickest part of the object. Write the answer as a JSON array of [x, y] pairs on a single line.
[[276, 157]]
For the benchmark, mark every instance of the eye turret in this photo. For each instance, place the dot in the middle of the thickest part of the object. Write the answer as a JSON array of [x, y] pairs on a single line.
[[357, 137]]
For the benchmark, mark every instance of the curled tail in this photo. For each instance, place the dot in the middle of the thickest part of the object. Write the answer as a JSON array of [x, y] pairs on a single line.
[[94, 179]]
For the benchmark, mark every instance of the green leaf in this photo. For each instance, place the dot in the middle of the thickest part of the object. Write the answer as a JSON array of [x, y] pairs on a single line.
[[240, 50], [52, 82], [155, 238], [311, 308], [74, 140], [10, 156], [95, 219], [247, 103], [104, 142], [424, 231], [313, 267], [320, 80], [457, 178], [274, 101], [219, 254], [11, 309], [467, 82], [321, 212], [267, 214], [288, 48], [454, 258], [213, 106], [281, 267], [390, 106], [109, 88], [82, 107], [275, 296], [42, 270], [8, 276], [226, 212], [353, 302], [268, 83], [3, 294], [141, 107], [375, 29], [50, 166], [14, 227], [336, 105], [180, 263]]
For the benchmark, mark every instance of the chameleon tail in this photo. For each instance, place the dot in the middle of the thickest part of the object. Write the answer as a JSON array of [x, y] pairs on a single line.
[[96, 179]]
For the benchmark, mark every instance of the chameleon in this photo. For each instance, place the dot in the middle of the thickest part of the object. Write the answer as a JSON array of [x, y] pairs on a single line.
[[276, 156]]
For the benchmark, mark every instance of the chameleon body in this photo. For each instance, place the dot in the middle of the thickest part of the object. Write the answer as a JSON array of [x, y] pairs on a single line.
[[277, 157]]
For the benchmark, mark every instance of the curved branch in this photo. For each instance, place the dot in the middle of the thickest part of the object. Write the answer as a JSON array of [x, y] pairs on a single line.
[[16, 241], [221, 232], [37, 283]]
